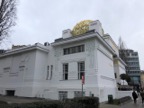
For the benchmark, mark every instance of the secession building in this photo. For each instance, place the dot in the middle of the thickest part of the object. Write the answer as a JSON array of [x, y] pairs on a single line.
[[55, 70]]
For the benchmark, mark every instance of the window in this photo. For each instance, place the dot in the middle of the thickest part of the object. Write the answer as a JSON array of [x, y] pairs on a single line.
[[6, 69], [115, 75], [81, 48], [65, 71], [21, 68], [63, 95], [47, 73], [78, 93], [51, 72], [81, 69], [75, 49]]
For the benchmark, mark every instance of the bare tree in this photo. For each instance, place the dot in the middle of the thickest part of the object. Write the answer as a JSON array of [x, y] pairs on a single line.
[[7, 17]]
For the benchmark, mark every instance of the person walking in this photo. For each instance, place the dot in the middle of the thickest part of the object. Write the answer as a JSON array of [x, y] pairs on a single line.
[[142, 95], [135, 96]]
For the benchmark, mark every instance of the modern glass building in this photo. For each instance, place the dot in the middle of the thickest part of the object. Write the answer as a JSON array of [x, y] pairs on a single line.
[[131, 58]]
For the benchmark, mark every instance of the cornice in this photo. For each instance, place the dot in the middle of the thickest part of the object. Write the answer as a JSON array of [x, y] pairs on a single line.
[[37, 46], [84, 37]]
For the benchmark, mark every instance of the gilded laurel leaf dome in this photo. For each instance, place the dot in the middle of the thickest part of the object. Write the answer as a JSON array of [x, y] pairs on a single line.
[[81, 27]]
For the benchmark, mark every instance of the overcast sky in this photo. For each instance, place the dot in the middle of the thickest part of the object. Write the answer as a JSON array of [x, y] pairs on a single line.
[[43, 20]]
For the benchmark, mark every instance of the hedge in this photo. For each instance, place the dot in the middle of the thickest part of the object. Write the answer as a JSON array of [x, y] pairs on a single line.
[[87, 102], [84, 102]]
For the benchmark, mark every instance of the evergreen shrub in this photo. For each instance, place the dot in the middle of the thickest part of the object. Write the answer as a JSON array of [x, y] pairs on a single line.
[[82, 102]]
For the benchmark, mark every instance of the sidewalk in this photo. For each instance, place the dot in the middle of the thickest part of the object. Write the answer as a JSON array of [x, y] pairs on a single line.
[[104, 105], [125, 105], [132, 105]]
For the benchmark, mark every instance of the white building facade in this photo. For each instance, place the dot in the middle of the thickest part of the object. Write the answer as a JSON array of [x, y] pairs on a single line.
[[54, 71]]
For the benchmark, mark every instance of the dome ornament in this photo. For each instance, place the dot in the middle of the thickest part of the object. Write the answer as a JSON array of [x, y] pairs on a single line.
[[81, 27]]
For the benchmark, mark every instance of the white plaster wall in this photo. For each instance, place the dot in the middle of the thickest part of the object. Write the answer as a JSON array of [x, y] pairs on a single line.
[[122, 68], [94, 69], [72, 59], [40, 65], [106, 80], [105, 65], [20, 82], [45, 88], [97, 26], [119, 69], [73, 84], [112, 44], [121, 94], [99, 72], [40, 73]]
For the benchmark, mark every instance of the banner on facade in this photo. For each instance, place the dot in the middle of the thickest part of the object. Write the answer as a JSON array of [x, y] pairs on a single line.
[[83, 79]]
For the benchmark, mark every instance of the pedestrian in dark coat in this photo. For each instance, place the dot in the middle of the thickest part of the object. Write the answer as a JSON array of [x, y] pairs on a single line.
[[135, 96], [142, 96]]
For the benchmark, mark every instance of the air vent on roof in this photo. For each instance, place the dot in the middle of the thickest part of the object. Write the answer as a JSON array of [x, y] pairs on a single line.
[[46, 44]]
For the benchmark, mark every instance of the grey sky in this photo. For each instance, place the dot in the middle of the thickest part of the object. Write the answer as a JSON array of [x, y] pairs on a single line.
[[44, 20]]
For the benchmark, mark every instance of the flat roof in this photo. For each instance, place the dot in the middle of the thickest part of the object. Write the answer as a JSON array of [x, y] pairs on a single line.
[[36, 46]]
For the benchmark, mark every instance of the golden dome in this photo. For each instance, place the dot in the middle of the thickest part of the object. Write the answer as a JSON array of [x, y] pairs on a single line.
[[81, 27]]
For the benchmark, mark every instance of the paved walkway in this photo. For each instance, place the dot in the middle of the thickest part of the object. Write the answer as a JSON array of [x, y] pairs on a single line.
[[126, 105], [108, 106], [132, 105]]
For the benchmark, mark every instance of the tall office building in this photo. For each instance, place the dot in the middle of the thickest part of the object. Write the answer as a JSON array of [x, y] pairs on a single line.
[[131, 58]]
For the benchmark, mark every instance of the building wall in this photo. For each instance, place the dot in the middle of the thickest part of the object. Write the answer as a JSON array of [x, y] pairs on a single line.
[[40, 73], [106, 78], [142, 79], [99, 75], [99, 71], [16, 79], [93, 72], [121, 94], [73, 84], [119, 68], [116, 70], [109, 40]]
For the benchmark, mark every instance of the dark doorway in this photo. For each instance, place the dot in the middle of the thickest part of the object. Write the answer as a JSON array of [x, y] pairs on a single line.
[[10, 92]]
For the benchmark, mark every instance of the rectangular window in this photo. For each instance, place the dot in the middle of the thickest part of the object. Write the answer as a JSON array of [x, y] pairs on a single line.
[[51, 72], [78, 93], [75, 49], [63, 95], [81, 69], [47, 76], [65, 71], [6, 69], [115, 75], [21, 68]]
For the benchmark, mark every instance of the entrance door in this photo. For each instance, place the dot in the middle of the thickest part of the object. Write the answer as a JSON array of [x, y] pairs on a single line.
[[10, 92]]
